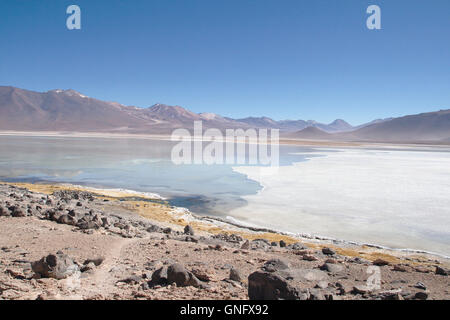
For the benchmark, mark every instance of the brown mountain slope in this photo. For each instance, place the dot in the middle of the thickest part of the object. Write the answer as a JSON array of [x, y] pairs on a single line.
[[67, 110]]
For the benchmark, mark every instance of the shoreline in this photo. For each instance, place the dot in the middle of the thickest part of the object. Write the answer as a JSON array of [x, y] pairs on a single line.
[[178, 216], [167, 137]]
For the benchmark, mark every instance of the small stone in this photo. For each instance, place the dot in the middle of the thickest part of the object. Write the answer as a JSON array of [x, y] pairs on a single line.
[[88, 267], [96, 261], [282, 244], [235, 275], [4, 212], [420, 285], [328, 251]]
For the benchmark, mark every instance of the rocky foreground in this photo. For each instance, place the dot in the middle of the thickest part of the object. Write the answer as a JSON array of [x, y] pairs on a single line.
[[79, 245]]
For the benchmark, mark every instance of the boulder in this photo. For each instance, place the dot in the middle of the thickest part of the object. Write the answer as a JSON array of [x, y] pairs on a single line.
[[282, 244], [188, 230], [57, 266], [270, 286], [159, 277], [176, 273]]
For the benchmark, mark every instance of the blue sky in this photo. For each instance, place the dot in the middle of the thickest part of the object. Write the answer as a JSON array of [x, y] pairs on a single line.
[[286, 59]]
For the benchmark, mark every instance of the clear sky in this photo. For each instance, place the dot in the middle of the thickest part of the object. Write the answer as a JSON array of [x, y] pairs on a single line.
[[286, 59]]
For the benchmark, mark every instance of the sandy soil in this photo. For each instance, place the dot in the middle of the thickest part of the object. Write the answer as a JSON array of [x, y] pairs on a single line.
[[130, 258]]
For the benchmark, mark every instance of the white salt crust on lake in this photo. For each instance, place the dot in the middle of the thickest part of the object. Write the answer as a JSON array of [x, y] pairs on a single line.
[[398, 199]]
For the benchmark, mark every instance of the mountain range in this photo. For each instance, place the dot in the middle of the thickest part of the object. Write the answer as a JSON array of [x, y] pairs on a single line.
[[69, 110]]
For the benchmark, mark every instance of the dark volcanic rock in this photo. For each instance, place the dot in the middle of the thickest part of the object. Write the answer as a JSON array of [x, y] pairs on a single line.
[[328, 251], [297, 246], [232, 238], [59, 266], [176, 273], [421, 295], [153, 228], [188, 230], [270, 286], [441, 271], [380, 262], [17, 212], [159, 277]]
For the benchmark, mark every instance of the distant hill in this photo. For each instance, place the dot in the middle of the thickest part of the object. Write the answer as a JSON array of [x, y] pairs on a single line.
[[431, 126], [310, 133]]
